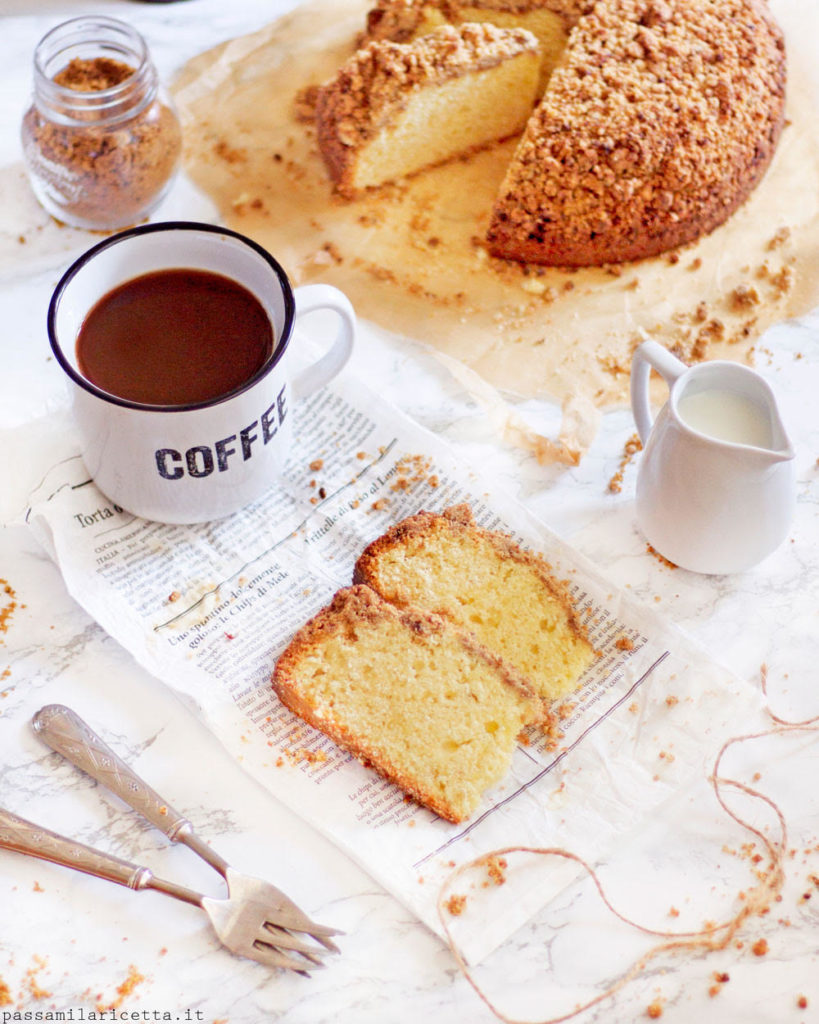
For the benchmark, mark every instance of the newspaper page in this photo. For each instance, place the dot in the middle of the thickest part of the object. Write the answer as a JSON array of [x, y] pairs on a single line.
[[208, 608]]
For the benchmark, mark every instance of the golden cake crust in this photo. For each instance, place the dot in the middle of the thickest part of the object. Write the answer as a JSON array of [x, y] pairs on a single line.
[[660, 120], [374, 84]]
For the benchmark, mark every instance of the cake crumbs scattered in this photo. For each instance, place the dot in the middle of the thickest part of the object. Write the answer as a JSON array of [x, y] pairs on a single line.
[[9, 607], [744, 297], [33, 986], [455, 905], [302, 755], [496, 870], [661, 559], [230, 154], [126, 988], [720, 978], [779, 239], [632, 447]]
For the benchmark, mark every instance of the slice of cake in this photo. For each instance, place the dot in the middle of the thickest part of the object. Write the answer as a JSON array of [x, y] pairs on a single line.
[[548, 20], [394, 109], [482, 581], [660, 119], [409, 694]]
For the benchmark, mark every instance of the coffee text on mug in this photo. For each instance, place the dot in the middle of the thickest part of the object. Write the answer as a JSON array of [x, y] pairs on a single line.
[[200, 460]]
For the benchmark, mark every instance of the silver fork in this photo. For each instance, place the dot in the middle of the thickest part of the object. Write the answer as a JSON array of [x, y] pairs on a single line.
[[257, 920]]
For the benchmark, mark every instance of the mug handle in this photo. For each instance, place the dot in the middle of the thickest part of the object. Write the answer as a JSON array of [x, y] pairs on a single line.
[[312, 297], [646, 356]]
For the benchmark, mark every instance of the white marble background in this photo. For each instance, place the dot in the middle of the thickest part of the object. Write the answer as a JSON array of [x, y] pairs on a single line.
[[69, 943]]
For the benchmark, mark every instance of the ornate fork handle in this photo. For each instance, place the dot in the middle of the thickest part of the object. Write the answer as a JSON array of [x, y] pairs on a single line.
[[23, 836], [64, 731]]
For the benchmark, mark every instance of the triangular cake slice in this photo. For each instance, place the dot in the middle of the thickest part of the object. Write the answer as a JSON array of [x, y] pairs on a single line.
[[396, 108]]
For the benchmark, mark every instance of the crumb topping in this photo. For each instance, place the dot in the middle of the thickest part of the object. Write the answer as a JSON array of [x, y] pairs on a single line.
[[399, 20], [377, 80]]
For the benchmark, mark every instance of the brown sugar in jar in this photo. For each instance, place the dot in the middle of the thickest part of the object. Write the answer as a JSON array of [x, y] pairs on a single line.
[[101, 141]]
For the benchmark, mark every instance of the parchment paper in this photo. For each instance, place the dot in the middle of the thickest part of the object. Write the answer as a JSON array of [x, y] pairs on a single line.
[[410, 256]]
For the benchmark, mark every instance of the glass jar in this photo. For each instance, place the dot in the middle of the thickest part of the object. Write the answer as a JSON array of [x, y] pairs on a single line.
[[101, 141]]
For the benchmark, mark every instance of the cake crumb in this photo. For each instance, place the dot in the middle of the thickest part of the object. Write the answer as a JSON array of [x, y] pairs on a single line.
[[744, 297], [455, 905], [35, 991], [661, 558], [8, 610], [654, 1010], [779, 239], [782, 281], [496, 869], [760, 947], [632, 446], [126, 988]]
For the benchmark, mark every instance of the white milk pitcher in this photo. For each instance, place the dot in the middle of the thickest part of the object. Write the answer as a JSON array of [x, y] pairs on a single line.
[[715, 488]]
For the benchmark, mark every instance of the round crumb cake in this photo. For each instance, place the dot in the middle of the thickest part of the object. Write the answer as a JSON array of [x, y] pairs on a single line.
[[661, 118]]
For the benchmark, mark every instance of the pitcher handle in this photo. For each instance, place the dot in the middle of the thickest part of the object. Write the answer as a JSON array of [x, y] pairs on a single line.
[[312, 297], [646, 356]]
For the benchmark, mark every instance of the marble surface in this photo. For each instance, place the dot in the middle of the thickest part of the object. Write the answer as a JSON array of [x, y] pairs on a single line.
[[69, 943]]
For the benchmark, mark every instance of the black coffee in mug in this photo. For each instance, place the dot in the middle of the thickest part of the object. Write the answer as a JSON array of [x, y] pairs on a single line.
[[174, 337]]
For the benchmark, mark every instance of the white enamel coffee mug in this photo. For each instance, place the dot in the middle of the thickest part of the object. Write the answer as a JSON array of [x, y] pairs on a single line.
[[201, 461]]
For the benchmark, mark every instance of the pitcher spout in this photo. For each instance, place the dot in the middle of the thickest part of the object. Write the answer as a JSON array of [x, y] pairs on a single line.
[[783, 454], [781, 449]]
